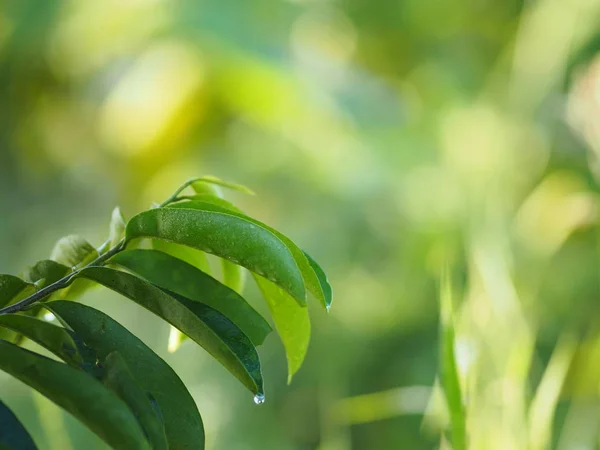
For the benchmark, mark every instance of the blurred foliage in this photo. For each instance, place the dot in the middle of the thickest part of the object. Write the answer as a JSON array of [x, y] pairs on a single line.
[[407, 135]]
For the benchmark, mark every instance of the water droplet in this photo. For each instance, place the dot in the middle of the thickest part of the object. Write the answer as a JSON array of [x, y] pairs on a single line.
[[327, 308], [259, 399], [48, 317]]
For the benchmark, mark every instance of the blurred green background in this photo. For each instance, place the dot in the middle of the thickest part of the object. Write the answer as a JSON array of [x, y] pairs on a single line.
[[387, 138]]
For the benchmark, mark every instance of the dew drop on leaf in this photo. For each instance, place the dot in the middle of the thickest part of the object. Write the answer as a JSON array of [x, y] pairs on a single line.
[[259, 399]]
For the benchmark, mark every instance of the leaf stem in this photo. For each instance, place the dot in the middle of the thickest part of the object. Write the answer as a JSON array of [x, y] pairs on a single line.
[[62, 283]]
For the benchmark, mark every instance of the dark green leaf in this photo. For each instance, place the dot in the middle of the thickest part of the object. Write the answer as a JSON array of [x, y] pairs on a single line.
[[78, 393], [193, 257], [177, 276], [183, 424], [47, 272], [60, 341], [10, 287], [323, 281], [203, 324], [214, 204], [73, 250], [119, 379], [225, 235], [13, 436], [291, 320]]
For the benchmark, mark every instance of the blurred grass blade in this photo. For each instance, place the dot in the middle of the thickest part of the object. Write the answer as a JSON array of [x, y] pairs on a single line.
[[183, 424], [543, 406], [60, 341], [206, 326], [11, 287], [449, 376], [177, 276], [227, 236], [291, 320], [383, 405], [118, 378], [13, 435], [78, 393]]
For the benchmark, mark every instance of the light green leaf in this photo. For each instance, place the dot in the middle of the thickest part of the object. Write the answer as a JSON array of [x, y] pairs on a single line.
[[177, 276], [176, 338], [60, 341], [199, 185], [323, 281], [190, 255], [214, 204], [119, 379], [11, 287], [73, 250], [13, 435], [234, 276], [117, 227], [203, 324], [291, 320], [78, 393], [202, 187], [183, 424], [225, 235]]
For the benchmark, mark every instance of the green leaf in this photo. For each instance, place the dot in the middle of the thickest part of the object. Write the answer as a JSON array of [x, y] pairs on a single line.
[[237, 239], [11, 287], [323, 281], [60, 341], [177, 276], [199, 185], [202, 187], [213, 204], [47, 272], [117, 227], [78, 393], [203, 324], [13, 436], [73, 250], [291, 320], [183, 424], [119, 379]]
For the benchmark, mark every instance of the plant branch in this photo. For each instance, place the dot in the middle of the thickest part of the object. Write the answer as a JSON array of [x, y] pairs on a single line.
[[68, 279], [62, 283]]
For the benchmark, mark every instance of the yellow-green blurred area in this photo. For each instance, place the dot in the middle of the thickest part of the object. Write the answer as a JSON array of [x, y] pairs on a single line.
[[388, 138]]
